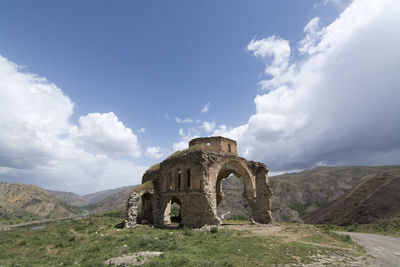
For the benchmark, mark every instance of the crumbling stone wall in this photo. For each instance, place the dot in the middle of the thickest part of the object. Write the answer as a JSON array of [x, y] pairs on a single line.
[[193, 178]]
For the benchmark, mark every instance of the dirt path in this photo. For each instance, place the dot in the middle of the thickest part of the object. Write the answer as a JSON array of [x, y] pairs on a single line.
[[384, 248]]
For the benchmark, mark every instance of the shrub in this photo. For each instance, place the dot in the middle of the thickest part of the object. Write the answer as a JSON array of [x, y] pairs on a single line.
[[213, 229]]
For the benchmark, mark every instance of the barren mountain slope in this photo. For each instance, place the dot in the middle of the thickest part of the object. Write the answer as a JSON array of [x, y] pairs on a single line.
[[30, 202], [233, 201], [97, 197], [295, 195], [70, 198], [373, 200], [116, 201]]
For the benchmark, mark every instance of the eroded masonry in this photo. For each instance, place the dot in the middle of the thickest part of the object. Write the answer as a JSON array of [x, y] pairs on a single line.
[[192, 178]]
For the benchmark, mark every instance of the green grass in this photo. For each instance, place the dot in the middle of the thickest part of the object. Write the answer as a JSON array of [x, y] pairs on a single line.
[[93, 239], [10, 220], [390, 227]]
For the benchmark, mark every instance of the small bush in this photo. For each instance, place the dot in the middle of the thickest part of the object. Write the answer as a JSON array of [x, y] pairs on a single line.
[[214, 230]]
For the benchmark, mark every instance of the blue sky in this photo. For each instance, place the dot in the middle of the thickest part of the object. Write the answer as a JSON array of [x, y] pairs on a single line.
[[154, 64]]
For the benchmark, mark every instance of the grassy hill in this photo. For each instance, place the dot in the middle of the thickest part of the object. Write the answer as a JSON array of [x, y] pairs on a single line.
[[373, 200], [21, 203]]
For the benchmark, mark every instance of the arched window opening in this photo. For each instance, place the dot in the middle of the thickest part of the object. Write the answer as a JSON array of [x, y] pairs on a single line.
[[229, 148], [178, 179], [170, 186], [188, 178]]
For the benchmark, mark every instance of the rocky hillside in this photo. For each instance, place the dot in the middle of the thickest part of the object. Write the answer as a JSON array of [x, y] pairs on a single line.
[[98, 197], [233, 202], [373, 200], [20, 202], [70, 198], [116, 201], [295, 195]]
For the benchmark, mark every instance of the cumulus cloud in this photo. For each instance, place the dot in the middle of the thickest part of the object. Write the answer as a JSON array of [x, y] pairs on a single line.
[[40, 145], [206, 108], [208, 126], [314, 34], [273, 48], [104, 133], [154, 152], [339, 105], [276, 52]]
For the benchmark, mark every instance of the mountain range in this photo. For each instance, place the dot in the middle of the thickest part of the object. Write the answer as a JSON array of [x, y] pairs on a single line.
[[302, 196]]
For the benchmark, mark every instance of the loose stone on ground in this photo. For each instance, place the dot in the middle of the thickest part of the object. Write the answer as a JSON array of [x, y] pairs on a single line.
[[135, 259]]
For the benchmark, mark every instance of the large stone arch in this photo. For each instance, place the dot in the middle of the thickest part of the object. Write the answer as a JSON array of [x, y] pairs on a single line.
[[238, 167]]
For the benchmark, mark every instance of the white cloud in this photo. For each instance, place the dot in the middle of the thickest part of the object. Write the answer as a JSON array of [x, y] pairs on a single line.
[[154, 152], [208, 126], [181, 145], [104, 133], [277, 53], [187, 120], [206, 108], [40, 145], [141, 130], [313, 36], [185, 138], [274, 48], [339, 105]]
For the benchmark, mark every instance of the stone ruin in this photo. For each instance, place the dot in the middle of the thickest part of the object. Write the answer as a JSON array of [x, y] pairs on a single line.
[[192, 178]]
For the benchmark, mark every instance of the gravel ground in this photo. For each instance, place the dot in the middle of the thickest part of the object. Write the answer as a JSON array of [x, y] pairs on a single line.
[[385, 248]]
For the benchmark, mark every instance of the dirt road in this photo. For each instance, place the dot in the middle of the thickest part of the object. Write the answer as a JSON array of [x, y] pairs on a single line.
[[384, 248]]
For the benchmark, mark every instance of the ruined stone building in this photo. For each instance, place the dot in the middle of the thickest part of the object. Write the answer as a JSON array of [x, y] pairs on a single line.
[[192, 178]]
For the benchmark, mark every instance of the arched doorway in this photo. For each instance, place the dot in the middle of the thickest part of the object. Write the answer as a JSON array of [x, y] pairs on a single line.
[[172, 212], [235, 194], [175, 215]]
